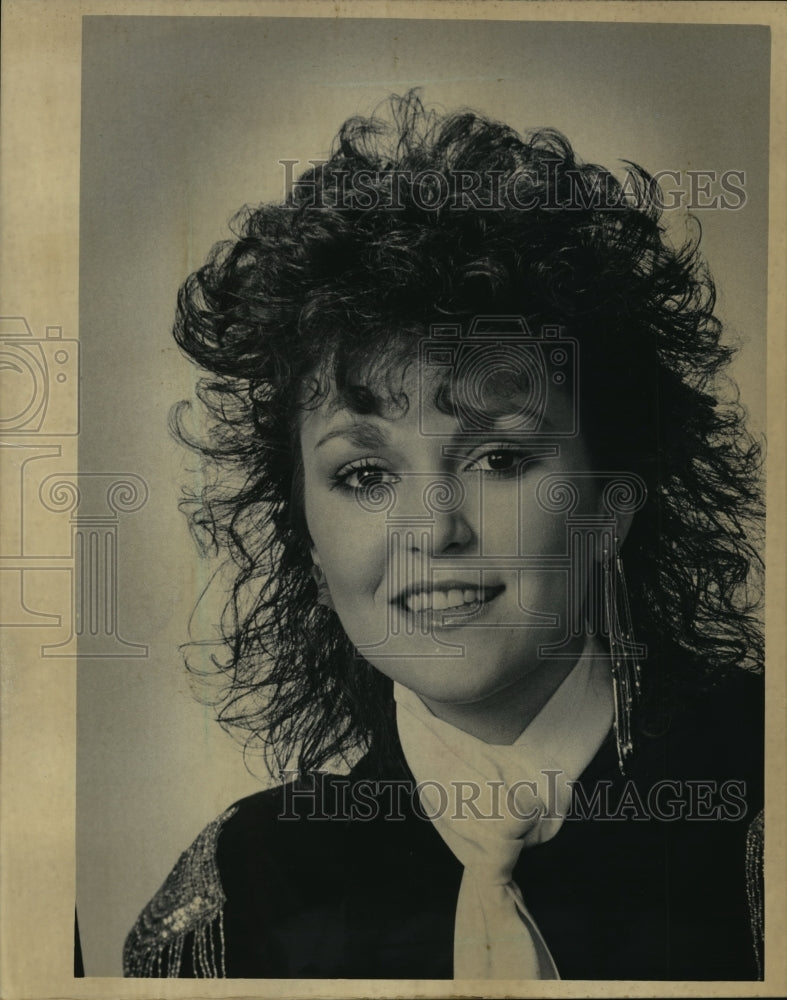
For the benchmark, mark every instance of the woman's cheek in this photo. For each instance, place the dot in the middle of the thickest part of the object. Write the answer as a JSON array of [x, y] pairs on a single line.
[[356, 560], [514, 523]]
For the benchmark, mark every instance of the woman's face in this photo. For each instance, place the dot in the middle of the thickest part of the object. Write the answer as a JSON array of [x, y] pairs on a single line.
[[434, 545]]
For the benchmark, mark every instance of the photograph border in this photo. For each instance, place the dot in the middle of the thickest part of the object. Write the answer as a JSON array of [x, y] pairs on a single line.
[[39, 261]]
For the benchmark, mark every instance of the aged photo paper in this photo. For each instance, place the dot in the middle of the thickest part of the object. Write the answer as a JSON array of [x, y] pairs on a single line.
[[131, 135]]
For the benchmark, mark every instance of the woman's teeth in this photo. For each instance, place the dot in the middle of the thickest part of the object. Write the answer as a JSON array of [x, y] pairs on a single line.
[[441, 600]]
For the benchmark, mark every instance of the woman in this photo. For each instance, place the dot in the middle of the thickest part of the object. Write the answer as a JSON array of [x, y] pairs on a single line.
[[453, 384]]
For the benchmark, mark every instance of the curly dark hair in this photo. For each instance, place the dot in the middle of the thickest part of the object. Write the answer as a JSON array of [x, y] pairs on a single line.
[[318, 289]]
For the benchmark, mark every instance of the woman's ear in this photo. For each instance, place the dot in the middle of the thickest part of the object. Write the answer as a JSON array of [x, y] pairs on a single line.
[[323, 593], [623, 522]]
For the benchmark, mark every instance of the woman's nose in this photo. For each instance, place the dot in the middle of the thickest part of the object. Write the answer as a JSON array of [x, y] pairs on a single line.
[[447, 522], [451, 534]]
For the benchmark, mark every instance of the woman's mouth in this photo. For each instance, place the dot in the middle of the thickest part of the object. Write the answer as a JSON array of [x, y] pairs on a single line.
[[454, 598]]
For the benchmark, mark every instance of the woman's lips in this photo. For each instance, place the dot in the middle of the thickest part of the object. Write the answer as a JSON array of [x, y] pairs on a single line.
[[438, 603]]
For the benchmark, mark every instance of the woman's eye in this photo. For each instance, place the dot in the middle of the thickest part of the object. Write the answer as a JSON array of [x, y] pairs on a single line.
[[364, 477], [497, 461], [500, 461]]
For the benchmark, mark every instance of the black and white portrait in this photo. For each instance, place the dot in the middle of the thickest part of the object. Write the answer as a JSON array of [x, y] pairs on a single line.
[[418, 605]]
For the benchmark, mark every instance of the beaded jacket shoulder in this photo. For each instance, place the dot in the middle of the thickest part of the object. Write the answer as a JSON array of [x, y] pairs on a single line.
[[187, 908], [755, 890]]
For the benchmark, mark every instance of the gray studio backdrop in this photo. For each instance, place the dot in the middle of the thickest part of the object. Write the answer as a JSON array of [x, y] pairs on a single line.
[[183, 121]]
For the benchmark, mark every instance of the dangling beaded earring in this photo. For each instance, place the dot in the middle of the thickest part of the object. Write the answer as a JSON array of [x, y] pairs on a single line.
[[624, 653], [323, 593]]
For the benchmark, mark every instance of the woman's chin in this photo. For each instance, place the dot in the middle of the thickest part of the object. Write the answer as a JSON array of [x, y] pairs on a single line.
[[451, 680]]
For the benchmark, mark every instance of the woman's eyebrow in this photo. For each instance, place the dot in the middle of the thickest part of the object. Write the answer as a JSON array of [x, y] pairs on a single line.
[[362, 434]]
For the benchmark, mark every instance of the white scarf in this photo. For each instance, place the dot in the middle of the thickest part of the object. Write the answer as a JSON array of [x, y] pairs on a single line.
[[523, 794]]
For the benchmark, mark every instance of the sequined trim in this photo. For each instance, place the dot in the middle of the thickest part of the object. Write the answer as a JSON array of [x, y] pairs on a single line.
[[191, 901], [755, 839]]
